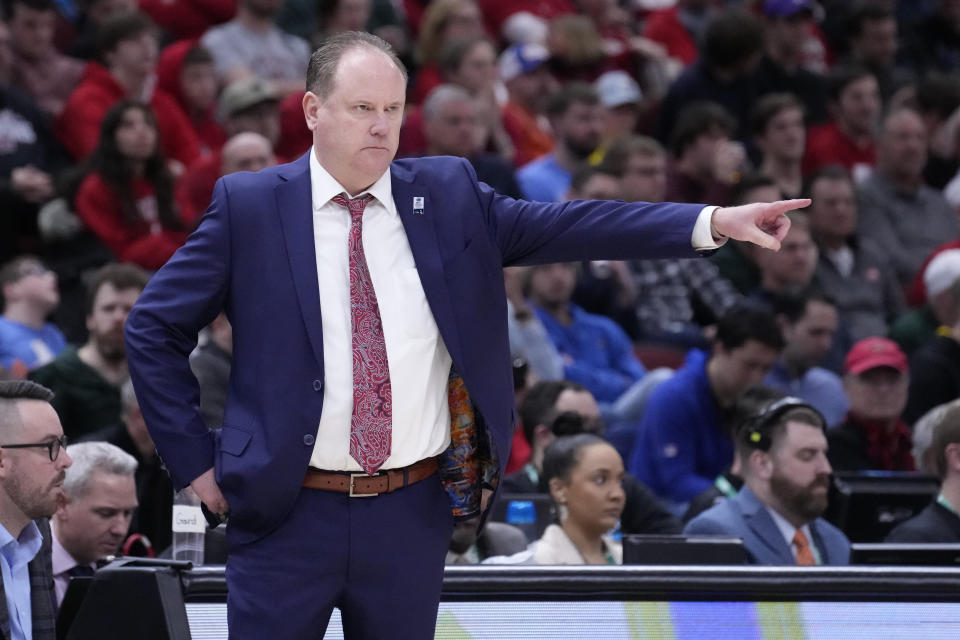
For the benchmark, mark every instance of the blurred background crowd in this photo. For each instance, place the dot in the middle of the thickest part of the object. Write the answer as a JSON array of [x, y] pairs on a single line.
[[117, 117]]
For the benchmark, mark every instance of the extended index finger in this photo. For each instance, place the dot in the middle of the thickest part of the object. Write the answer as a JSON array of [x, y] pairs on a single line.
[[783, 206]]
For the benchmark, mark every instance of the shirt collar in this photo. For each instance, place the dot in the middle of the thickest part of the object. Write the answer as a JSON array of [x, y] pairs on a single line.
[[61, 558], [324, 186], [787, 530], [28, 544]]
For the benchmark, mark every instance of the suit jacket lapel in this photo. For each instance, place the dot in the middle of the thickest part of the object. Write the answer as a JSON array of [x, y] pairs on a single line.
[[762, 524], [295, 209], [420, 227], [820, 543], [43, 602]]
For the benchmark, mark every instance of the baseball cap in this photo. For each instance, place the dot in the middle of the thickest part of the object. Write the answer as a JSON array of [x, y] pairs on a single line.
[[521, 58], [786, 8], [942, 272], [246, 93], [871, 353], [617, 88]]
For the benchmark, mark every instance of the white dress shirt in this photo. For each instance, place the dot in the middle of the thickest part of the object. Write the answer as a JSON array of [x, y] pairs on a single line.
[[418, 359]]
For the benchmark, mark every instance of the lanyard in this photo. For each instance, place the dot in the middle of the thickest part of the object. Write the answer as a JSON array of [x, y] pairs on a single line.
[[608, 556], [943, 502], [725, 487], [532, 473]]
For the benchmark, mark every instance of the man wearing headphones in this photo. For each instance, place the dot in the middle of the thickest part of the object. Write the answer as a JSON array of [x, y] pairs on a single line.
[[783, 455]]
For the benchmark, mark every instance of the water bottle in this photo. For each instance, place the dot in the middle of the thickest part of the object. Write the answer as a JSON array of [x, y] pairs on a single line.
[[616, 533], [189, 527], [523, 515]]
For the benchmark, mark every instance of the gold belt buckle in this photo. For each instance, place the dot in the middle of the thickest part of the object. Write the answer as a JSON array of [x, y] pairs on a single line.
[[353, 494]]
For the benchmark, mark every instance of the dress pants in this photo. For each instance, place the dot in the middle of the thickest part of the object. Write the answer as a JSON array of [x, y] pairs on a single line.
[[379, 560]]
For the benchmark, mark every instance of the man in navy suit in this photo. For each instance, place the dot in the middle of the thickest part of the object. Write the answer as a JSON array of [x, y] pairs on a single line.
[[783, 454], [370, 350]]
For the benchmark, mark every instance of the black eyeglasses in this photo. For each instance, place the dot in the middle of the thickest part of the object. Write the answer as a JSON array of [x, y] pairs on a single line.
[[53, 447]]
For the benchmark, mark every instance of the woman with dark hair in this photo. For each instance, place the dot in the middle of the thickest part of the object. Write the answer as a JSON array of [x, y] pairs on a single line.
[[443, 21], [126, 196], [585, 476], [469, 62], [472, 63]]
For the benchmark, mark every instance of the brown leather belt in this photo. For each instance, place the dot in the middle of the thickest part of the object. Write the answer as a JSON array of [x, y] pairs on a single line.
[[360, 485]]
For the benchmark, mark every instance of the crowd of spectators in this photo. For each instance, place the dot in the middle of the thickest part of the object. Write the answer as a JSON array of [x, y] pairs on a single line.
[[117, 118]]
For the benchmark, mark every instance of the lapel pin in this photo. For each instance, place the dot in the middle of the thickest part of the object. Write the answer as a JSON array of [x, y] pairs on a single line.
[[418, 205]]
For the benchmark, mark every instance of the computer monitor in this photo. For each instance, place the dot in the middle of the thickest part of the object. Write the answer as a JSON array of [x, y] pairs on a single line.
[[866, 505], [682, 549], [905, 554]]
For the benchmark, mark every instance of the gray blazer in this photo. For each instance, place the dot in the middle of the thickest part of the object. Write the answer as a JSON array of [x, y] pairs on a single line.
[[42, 602], [744, 516]]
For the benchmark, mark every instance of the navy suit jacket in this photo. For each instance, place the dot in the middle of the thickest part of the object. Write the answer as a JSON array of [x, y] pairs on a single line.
[[744, 516], [253, 256]]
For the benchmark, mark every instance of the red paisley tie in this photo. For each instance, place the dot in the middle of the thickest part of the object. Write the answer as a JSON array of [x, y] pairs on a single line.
[[370, 425]]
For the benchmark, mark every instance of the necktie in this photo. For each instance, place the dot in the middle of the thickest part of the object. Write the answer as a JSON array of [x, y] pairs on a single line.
[[80, 571], [371, 422], [804, 552]]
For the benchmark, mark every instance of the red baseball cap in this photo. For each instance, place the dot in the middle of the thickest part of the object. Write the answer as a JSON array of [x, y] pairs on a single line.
[[871, 353]]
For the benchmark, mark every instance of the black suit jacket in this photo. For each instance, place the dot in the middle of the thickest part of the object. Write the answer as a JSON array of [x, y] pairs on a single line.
[[42, 600], [934, 524]]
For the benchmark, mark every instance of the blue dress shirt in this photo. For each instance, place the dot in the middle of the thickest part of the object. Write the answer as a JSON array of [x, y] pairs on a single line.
[[16, 555]]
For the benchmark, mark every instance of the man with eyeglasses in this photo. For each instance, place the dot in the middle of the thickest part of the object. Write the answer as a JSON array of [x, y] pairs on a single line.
[[30, 294], [32, 469]]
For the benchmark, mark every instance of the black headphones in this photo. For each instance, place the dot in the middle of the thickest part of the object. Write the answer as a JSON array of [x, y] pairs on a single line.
[[756, 433]]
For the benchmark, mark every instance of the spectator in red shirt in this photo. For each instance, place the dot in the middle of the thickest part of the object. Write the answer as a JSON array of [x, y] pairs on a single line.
[[848, 139], [245, 151], [443, 22], [295, 137], [470, 63], [186, 72], [523, 21], [577, 53], [248, 105], [679, 28], [529, 84], [126, 198], [128, 51], [188, 18]]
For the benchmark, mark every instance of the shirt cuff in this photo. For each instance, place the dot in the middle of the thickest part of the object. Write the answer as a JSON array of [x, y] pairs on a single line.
[[703, 239]]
